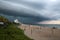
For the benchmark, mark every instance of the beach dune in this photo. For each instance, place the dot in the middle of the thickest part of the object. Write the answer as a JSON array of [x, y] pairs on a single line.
[[40, 33]]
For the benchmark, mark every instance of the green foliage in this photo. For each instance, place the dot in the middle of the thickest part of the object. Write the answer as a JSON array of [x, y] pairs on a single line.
[[3, 19], [11, 32]]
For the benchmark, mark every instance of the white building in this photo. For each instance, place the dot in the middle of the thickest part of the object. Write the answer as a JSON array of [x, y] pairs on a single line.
[[1, 23], [16, 21]]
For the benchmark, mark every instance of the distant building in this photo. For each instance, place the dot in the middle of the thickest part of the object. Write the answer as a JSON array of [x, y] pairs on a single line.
[[17, 21], [2, 23]]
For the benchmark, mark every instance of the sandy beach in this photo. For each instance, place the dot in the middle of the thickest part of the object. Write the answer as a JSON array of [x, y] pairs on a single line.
[[40, 33]]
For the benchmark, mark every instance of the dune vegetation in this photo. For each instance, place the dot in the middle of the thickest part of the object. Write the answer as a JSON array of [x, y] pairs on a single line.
[[11, 32]]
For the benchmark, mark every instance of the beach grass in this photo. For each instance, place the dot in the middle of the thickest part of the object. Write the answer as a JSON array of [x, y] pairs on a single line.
[[11, 32]]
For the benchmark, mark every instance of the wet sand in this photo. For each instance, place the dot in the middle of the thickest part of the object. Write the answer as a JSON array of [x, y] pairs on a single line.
[[40, 33]]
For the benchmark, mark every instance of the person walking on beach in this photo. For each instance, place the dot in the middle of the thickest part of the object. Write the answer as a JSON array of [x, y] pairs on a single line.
[[53, 29]]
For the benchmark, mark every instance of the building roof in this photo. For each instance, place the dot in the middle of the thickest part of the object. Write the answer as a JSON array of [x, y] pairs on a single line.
[[16, 21]]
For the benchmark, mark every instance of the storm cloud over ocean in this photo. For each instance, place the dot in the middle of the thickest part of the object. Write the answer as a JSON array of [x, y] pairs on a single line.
[[30, 11]]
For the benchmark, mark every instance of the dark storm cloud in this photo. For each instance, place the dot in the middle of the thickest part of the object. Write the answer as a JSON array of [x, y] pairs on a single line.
[[35, 5], [31, 11], [10, 8], [16, 9], [26, 20]]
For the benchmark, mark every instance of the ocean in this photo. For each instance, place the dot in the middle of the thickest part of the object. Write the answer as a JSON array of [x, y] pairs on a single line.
[[49, 25]]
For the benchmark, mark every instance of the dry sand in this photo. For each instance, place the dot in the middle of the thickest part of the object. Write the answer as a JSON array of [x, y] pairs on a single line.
[[40, 33]]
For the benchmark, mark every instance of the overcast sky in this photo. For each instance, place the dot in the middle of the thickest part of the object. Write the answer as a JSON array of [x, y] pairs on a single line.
[[31, 11]]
